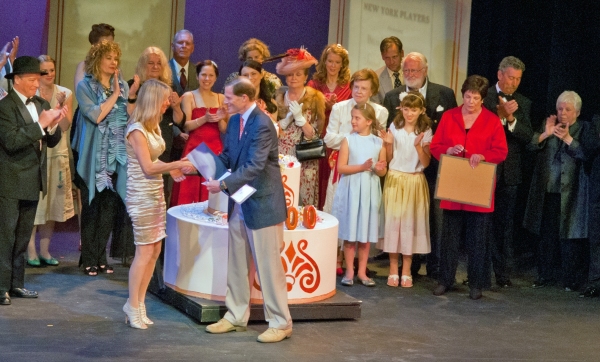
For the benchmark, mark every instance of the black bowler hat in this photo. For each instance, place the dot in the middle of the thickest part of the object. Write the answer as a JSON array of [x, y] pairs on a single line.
[[25, 65]]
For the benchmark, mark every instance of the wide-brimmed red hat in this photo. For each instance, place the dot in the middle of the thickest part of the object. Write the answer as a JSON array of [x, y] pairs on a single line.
[[295, 59], [25, 65]]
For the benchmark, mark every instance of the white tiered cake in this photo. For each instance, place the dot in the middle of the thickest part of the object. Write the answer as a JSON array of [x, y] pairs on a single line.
[[290, 177], [217, 203]]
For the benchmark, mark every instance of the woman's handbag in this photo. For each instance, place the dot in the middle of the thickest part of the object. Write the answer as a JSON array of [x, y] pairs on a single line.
[[310, 149]]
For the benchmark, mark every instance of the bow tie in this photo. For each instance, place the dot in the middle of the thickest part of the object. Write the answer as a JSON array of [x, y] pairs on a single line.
[[509, 97], [29, 100]]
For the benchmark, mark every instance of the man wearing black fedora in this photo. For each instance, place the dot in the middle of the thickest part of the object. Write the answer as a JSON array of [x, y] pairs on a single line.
[[27, 127]]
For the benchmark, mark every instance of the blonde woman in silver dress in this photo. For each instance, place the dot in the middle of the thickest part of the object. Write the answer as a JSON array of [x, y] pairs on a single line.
[[145, 194]]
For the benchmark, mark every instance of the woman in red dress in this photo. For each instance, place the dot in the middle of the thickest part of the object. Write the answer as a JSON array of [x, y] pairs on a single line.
[[206, 119], [332, 78]]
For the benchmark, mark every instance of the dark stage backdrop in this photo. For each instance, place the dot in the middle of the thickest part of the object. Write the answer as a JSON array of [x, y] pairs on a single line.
[[221, 26], [559, 42], [27, 19]]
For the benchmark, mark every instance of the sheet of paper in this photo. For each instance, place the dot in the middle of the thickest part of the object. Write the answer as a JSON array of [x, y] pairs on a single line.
[[243, 194], [225, 175], [206, 162]]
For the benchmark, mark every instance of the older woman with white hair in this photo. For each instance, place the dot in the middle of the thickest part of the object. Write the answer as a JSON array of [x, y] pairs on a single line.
[[557, 205]]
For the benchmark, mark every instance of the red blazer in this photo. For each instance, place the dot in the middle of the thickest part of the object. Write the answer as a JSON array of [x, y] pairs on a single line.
[[486, 137]]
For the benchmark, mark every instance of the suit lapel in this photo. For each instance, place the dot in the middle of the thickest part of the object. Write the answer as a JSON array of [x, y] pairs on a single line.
[[433, 98], [241, 142], [22, 109], [176, 85]]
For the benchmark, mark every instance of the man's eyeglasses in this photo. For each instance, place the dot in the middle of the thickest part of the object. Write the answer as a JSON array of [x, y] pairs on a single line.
[[411, 71]]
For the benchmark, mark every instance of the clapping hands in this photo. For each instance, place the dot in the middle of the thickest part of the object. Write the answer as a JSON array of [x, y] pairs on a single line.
[[51, 117], [380, 166], [387, 137], [296, 110], [174, 100]]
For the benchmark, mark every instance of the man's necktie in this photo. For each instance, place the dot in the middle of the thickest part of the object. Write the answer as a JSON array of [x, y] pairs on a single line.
[[183, 79], [29, 100], [241, 127], [508, 97], [396, 79]]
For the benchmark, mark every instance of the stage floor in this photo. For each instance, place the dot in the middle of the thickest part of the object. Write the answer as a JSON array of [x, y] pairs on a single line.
[[79, 318]]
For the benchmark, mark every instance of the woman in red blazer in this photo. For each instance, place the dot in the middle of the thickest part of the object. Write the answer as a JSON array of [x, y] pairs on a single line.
[[472, 132]]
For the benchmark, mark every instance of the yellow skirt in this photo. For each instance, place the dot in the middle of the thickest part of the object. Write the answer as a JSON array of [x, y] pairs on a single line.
[[406, 208]]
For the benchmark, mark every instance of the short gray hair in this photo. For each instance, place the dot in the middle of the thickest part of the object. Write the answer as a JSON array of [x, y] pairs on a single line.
[[183, 31], [570, 97], [511, 62], [418, 56]]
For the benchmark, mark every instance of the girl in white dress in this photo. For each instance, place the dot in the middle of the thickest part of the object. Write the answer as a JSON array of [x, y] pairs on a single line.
[[357, 200], [405, 194]]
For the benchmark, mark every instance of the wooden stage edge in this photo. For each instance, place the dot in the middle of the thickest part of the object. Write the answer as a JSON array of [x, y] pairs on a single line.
[[340, 306]]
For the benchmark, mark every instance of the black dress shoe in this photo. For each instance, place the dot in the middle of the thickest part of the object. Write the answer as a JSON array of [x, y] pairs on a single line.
[[475, 294], [4, 298], [23, 293], [441, 289], [542, 283], [590, 292], [503, 282]]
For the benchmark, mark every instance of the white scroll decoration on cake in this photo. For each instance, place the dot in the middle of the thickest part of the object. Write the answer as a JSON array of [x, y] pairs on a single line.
[[290, 177]]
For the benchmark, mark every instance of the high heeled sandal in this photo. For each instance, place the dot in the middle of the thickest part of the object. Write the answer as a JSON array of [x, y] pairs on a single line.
[[91, 271], [133, 317], [406, 281], [143, 315], [107, 269]]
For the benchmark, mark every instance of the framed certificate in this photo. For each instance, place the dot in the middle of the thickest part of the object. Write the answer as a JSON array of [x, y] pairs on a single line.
[[457, 181]]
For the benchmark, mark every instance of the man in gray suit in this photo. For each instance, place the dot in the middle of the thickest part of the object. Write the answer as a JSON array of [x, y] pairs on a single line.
[[255, 226], [389, 75]]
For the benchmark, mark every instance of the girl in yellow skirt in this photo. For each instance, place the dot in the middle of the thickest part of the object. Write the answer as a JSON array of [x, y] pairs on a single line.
[[405, 194]]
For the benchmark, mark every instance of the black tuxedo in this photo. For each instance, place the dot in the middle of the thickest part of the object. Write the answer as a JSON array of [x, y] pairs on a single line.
[[509, 171], [508, 178], [24, 175], [438, 99]]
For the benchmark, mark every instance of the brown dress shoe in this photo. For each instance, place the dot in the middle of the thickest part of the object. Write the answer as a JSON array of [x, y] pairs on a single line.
[[274, 335], [223, 326]]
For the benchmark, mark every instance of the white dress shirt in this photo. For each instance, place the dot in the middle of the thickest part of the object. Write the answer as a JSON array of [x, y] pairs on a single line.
[[339, 121], [179, 67]]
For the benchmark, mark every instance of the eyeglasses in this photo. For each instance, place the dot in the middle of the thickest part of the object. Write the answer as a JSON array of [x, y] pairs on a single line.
[[411, 71]]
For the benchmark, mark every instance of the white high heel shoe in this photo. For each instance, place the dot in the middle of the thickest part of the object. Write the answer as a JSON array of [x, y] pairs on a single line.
[[143, 315], [132, 315]]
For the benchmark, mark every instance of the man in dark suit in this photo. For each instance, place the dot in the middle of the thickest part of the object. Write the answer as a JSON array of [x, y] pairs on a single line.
[[255, 226], [438, 99], [514, 111], [27, 126], [184, 80]]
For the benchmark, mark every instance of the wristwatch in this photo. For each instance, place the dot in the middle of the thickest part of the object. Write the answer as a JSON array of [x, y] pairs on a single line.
[[222, 186]]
